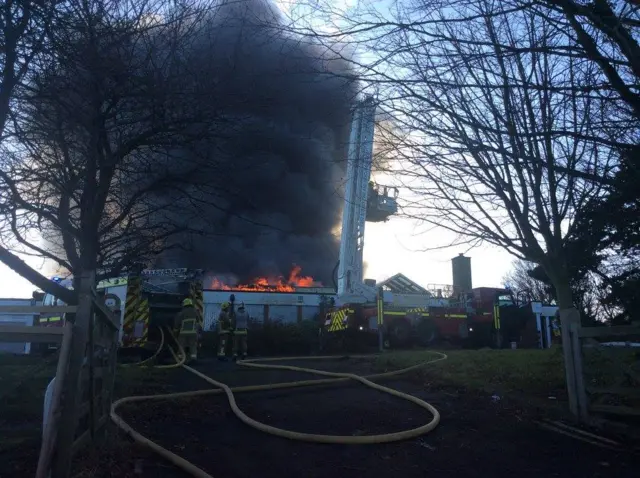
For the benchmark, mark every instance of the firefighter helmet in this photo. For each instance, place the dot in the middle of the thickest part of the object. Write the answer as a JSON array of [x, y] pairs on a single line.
[[241, 306], [186, 302], [225, 305]]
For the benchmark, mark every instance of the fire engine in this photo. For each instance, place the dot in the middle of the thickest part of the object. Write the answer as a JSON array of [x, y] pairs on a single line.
[[406, 311], [485, 317], [148, 299]]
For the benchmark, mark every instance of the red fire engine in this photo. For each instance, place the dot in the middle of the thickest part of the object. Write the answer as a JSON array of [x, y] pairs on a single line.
[[411, 315]]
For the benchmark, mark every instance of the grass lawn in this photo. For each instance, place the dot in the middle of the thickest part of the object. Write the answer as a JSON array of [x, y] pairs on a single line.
[[532, 375], [23, 381], [536, 373]]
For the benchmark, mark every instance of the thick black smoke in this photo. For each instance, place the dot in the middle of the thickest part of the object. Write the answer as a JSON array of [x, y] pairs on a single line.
[[284, 108]]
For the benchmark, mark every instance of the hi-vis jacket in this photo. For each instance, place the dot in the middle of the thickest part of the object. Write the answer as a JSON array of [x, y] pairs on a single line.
[[224, 323]]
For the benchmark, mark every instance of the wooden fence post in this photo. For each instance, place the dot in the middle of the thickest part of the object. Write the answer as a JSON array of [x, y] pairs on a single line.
[[71, 388], [50, 432], [567, 317], [109, 380], [581, 393], [380, 319]]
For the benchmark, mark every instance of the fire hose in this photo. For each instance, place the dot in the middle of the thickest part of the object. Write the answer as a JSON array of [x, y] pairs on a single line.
[[180, 358]]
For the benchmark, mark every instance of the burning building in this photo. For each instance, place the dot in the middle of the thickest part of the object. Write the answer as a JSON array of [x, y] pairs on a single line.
[[265, 284], [288, 299]]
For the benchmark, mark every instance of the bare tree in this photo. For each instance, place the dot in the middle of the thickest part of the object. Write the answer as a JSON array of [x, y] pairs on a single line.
[[528, 281], [523, 285], [600, 38], [23, 44], [603, 32], [95, 172], [503, 140], [494, 133], [510, 128], [24, 27]]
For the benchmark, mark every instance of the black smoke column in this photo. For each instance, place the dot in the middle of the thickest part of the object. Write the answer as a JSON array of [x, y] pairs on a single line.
[[278, 155]]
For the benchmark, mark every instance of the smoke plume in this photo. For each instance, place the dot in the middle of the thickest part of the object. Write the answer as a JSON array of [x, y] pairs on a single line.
[[279, 151]]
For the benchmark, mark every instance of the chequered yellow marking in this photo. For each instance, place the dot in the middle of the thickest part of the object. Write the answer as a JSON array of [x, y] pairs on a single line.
[[132, 304], [339, 320], [143, 316], [197, 296]]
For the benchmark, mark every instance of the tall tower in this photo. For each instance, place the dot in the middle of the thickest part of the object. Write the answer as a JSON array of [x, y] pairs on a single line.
[[364, 201], [359, 160], [461, 270]]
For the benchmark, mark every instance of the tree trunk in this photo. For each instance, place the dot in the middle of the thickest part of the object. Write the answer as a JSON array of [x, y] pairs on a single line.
[[568, 315], [72, 391]]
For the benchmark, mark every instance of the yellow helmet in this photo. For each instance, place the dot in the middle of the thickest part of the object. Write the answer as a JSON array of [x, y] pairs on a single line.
[[225, 305], [187, 302]]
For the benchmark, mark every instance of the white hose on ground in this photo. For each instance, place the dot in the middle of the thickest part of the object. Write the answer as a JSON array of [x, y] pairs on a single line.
[[293, 435]]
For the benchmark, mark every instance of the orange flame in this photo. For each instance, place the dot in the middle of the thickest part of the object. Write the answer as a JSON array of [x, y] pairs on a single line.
[[273, 284]]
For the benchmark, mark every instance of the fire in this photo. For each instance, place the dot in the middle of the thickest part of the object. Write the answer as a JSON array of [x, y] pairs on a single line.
[[274, 284]]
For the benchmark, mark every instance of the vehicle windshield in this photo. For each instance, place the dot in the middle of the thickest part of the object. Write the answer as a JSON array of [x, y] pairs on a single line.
[[50, 300]]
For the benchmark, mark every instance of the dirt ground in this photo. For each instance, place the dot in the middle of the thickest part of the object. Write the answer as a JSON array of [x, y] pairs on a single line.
[[478, 436]]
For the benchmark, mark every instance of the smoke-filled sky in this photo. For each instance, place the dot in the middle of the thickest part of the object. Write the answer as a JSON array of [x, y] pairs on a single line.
[[283, 143], [285, 157]]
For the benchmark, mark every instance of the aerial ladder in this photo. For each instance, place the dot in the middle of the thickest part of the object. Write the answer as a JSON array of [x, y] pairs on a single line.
[[364, 201]]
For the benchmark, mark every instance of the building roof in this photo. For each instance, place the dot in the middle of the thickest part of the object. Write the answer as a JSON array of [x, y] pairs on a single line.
[[401, 284]]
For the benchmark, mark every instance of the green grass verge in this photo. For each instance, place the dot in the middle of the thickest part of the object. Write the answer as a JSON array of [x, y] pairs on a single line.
[[23, 381], [530, 372]]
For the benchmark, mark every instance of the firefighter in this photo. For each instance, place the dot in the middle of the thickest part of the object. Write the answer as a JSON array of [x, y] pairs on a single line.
[[240, 330], [187, 328], [224, 329]]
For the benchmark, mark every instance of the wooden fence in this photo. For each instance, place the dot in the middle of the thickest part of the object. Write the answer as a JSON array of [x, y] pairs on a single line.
[[605, 379], [82, 392]]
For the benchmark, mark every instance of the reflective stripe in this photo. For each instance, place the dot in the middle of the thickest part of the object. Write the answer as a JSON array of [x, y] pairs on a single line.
[[188, 326], [132, 302], [103, 284], [419, 309], [196, 295], [436, 314], [339, 320], [45, 320], [240, 332]]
